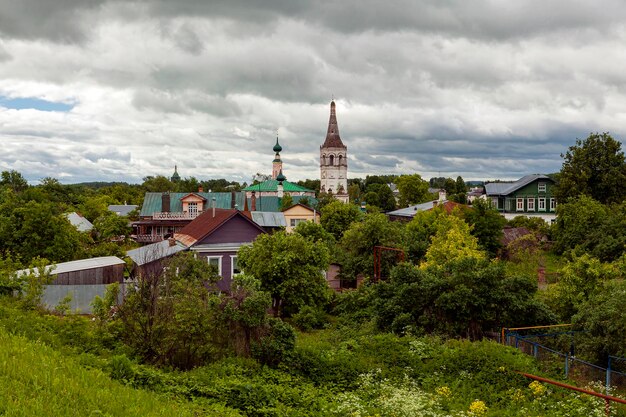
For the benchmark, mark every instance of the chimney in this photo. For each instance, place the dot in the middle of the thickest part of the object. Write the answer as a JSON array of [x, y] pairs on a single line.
[[253, 201], [172, 241], [165, 202], [200, 189], [213, 205], [232, 200], [442, 195]]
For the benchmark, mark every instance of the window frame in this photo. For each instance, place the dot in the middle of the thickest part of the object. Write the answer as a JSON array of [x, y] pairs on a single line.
[[553, 204], [542, 187], [530, 204], [232, 267], [219, 262], [520, 201], [541, 200]]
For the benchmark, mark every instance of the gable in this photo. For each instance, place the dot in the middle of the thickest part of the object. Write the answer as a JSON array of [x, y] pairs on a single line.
[[298, 210], [235, 230]]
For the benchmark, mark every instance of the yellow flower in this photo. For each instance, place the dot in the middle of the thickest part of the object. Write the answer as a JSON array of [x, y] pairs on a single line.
[[537, 388], [443, 391], [478, 408], [518, 395]]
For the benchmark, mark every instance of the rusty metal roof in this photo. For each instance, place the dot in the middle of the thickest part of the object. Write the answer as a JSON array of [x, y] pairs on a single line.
[[333, 140], [207, 223]]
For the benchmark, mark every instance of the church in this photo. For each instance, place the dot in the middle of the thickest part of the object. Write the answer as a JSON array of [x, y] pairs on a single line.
[[334, 161]]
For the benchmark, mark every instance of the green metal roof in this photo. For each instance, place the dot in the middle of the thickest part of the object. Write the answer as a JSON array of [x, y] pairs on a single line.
[[152, 202], [272, 185]]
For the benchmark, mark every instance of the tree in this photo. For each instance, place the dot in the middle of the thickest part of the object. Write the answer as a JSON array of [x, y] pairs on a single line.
[[419, 232], [463, 297], [13, 180], [286, 201], [168, 317], [289, 267], [453, 241], [594, 167], [359, 240], [110, 225], [450, 186], [158, 184], [576, 220], [487, 224], [413, 189], [460, 185], [315, 233], [336, 217]]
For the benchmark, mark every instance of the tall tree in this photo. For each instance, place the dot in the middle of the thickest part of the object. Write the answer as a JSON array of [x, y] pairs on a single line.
[[413, 189], [337, 217], [13, 180], [595, 167], [487, 224], [289, 267]]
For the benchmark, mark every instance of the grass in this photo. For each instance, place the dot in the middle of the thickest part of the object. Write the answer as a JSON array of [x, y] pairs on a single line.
[[36, 380]]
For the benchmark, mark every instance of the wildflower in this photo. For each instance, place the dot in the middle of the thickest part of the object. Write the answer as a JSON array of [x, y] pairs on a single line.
[[478, 408], [537, 388], [443, 391], [501, 369]]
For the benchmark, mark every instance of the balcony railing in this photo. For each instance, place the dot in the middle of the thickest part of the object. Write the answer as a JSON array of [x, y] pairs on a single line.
[[148, 238], [180, 215]]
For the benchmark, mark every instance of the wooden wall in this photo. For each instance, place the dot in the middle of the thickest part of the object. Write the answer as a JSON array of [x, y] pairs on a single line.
[[103, 275]]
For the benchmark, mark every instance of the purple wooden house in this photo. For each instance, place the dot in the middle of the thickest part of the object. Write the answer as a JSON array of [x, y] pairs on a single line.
[[217, 235]]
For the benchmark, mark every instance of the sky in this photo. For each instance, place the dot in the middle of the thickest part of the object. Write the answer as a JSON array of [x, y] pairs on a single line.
[[101, 90]]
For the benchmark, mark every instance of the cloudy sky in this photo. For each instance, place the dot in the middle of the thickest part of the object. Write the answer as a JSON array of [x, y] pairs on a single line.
[[96, 90]]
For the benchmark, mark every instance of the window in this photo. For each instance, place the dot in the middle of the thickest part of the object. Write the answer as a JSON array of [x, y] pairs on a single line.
[[217, 262], [530, 204], [494, 202], [542, 187], [542, 204], [192, 208], [552, 204], [234, 266], [520, 204], [332, 159], [295, 222]]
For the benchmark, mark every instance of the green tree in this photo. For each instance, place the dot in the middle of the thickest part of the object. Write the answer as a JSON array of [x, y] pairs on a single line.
[[13, 180], [460, 185], [286, 201], [463, 297], [413, 189], [452, 241], [359, 240], [487, 224], [110, 225], [576, 220], [94, 207], [594, 167], [168, 317], [419, 232], [158, 184], [316, 233], [450, 186], [336, 217], [289, 267]]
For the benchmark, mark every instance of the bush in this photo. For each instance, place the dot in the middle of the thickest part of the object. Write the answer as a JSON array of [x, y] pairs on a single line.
[[280, 341], [309, 318]]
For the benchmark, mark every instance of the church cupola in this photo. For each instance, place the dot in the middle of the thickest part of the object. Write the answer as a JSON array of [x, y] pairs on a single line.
[[175, 176], [277, 163]]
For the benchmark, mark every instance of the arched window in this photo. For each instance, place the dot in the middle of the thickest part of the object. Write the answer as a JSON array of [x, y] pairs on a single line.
[[324, 159], [339, 160], [332, 160]]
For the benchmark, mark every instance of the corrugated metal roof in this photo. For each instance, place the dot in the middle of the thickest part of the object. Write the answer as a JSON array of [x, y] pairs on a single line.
[[154, 252], [505, 188], [122, 209], [79, 222], [272, 185], [269, 219], [273, 203], [80, 265], [411, 210]]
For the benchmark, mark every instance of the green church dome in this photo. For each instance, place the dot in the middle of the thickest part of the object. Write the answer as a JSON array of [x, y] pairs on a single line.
[[277, 148]]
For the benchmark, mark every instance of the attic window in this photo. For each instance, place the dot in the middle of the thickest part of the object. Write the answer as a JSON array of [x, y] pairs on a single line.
[[541, 187]]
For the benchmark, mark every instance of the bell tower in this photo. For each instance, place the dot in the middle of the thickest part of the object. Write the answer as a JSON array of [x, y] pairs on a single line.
[[334, 161], [277, 163]]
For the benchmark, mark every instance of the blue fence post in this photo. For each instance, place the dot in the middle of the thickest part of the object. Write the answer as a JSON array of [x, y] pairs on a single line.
[[566, 365], [516, 340], [535, 350], [608, 376]]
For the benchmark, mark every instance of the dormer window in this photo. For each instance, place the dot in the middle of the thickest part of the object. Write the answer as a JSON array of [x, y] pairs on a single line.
[[541, 187], [192, 208]]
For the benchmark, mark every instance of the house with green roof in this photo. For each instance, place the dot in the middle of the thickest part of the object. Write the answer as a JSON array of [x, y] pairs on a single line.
[[270, 188]]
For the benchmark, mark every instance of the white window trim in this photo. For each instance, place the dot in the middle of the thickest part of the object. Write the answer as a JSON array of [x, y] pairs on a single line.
[[541, 200], [232, 265], [219, 265], [542, 187], [520, 200], [552, 204], [494, 202], [530, 204]]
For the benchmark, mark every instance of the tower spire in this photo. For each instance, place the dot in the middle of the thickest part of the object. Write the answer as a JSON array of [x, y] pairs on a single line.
[[277, 163], [333, 140]]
